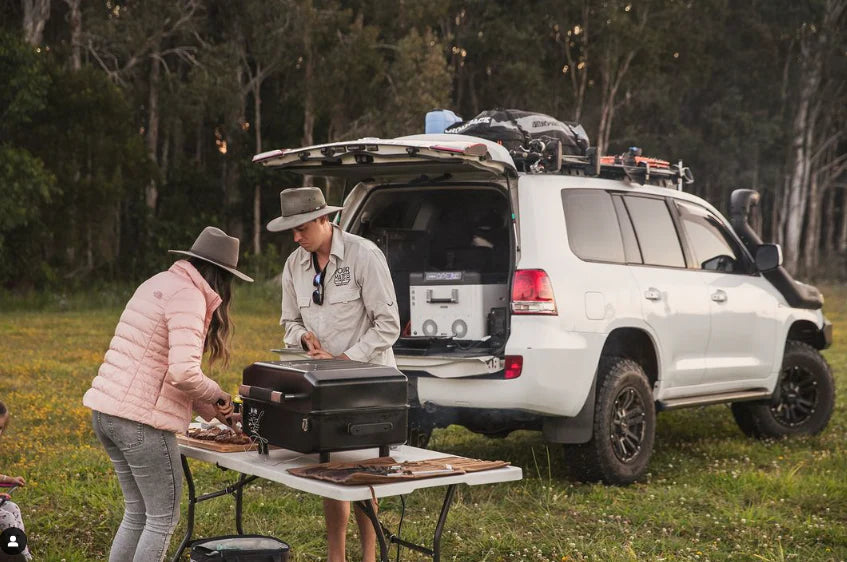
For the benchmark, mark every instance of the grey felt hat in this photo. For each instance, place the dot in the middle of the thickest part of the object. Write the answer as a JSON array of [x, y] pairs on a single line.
[[215, 246], [299, 206]]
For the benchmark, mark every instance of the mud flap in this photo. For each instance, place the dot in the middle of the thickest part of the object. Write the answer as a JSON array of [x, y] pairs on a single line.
[[575, 430]]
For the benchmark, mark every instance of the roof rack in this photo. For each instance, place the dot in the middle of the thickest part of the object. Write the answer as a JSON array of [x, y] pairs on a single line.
[[630, 166]]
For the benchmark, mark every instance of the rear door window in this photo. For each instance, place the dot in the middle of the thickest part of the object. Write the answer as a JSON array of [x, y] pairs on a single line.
[[592, 225], [654, 227]]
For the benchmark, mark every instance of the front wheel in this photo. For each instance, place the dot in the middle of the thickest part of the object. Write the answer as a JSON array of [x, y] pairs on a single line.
[[802, 402], [624, 427]]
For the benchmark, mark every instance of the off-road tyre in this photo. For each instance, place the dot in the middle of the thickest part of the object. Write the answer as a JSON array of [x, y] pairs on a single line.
[[624, 427], [802, 402]]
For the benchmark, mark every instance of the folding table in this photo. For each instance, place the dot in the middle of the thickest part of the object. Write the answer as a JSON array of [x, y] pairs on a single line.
[[275, 465]]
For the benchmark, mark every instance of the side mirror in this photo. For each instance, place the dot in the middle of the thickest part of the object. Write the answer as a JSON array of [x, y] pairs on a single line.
[[768, 257]]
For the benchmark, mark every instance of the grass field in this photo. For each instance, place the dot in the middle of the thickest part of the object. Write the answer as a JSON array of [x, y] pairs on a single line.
[[712, 494]]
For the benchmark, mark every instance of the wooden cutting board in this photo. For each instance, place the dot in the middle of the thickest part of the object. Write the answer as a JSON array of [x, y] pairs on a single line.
[[215, 445]]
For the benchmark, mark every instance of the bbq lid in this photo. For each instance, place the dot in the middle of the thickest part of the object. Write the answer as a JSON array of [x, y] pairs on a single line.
[[322, 371]]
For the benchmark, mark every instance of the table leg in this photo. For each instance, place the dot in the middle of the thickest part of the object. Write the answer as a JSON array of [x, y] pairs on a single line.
[[239, 494], [442, 519], [192, 500], [367, 508]]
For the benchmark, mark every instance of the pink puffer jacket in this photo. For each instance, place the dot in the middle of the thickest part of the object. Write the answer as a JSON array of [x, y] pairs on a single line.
[[151, 372]]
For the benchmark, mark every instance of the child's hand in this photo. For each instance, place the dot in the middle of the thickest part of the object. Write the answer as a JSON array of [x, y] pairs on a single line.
[[5, 497]]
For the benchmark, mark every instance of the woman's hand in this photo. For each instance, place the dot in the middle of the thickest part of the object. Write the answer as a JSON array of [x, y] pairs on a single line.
[[16, 480], [223, 409]]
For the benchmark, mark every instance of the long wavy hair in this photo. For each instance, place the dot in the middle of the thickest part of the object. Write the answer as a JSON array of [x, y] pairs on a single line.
[[221, 327]]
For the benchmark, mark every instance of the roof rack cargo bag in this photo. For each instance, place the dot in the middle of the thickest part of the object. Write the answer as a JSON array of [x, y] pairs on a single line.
[[515, 128]]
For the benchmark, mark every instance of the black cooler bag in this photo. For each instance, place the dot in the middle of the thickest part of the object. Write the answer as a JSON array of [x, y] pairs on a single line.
[[320, 406], [239, 548], [515, 128]]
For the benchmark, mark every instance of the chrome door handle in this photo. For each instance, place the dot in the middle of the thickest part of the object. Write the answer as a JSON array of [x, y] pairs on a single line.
[[719, 296], [652, 294]]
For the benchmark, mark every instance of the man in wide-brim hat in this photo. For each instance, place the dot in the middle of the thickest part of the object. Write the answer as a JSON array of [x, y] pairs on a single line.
[[338, 302]]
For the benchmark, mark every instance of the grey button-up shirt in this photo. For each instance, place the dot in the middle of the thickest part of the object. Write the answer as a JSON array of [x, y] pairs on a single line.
[[358, 316]]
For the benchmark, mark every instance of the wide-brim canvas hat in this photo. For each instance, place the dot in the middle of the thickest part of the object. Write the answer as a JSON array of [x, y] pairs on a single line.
[[216, 247], [299, 206]]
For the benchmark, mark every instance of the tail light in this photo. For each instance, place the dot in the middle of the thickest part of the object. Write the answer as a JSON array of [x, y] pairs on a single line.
[[514, 366], [532, 293]]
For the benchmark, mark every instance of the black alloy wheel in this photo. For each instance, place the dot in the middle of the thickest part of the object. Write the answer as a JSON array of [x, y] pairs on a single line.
[[797, 397], [802, 402], [628, 425], [624, 427]]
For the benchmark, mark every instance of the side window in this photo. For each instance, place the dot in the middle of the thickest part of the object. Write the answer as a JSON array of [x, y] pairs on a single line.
[[592, 225], [630, 243], [655, 230], [714, 248]]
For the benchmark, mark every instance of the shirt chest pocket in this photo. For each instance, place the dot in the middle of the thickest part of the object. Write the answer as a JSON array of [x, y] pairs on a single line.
[[345, 296], [345, 307]]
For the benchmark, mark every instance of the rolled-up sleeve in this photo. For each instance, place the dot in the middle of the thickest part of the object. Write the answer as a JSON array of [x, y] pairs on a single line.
[[185, 315], [381, 306], [291, 320]]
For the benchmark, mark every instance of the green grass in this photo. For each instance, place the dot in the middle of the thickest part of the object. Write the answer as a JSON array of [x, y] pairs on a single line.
[[711, 494]]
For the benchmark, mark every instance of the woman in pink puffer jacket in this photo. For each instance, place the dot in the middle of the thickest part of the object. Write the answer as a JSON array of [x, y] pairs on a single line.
[[151, 379]]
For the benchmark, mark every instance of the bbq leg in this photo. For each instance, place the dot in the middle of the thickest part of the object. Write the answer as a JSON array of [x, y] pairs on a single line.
[[367, 509], [189, 526], [442, 519], [239, 494]]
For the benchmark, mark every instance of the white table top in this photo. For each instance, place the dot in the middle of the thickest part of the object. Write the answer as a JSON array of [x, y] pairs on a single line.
[[275, 465]]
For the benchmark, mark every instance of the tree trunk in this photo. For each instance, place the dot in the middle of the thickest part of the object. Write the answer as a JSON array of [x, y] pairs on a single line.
[[166, 149], [152, 192], [842, 236], [578, 76], [798, 184], [234, 136], [36, 14], [612, 78], [75, 20], [257, 191], [828, 223], [309, 98], [813, 223]]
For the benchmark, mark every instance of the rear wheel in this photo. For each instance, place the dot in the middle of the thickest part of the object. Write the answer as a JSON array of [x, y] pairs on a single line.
[[624, 426], [802, 402]]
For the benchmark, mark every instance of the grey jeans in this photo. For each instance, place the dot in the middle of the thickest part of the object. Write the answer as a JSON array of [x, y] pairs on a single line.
[[147, 463]]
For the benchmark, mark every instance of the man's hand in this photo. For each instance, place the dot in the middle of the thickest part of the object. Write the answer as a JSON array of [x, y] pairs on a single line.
[[310, 342], [320, 354], [323, 354]]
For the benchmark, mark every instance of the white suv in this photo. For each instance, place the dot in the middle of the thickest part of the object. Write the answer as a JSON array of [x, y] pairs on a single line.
[[579, 302]]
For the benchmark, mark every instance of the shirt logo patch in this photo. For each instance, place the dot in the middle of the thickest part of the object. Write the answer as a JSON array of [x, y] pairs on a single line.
[[342, 276]]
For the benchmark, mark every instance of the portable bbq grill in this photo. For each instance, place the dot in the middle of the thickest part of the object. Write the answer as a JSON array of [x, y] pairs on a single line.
[[321, 406]]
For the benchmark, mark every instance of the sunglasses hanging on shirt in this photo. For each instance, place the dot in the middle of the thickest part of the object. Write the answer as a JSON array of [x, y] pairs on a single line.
[[318, 282]]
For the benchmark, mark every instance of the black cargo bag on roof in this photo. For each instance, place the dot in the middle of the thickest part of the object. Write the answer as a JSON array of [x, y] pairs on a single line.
[[239, 548], [514, 128]]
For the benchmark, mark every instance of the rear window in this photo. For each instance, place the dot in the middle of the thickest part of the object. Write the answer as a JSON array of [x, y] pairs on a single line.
[[656, 233], [592, 225]]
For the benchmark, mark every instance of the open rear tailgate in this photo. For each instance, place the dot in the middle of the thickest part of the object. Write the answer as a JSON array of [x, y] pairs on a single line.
[[405, 157]]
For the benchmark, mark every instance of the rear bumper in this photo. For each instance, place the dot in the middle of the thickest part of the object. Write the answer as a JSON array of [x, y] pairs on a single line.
[[558, 371]]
